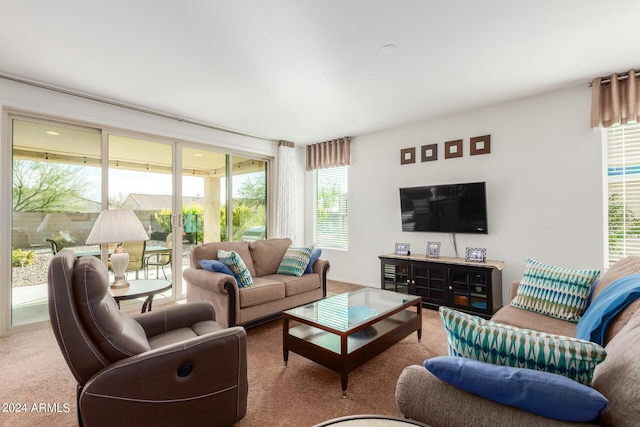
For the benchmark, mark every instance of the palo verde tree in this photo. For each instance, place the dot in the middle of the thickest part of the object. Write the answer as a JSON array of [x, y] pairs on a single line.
[[47, 187]]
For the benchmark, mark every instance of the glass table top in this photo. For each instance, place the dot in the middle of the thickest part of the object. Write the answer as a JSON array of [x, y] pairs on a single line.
[[346, 311]]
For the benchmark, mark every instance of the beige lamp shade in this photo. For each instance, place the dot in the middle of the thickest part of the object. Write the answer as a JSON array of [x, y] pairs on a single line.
[[117, 225]]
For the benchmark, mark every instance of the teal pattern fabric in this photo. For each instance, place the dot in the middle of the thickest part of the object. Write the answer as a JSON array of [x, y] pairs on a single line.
[[295, 261], [554, 291], [235, 263], [476, 338]]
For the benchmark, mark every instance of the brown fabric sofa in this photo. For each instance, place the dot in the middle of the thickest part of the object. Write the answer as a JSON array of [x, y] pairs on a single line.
[[423, 397], [270, 294]]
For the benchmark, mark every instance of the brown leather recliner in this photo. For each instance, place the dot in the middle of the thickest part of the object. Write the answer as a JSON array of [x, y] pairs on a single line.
[[163, 368]]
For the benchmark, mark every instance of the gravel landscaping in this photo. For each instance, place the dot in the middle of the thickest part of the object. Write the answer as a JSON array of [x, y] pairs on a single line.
[[36, 273]]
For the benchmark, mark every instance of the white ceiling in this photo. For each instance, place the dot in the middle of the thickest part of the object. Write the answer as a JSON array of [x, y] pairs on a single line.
[[312, 70]]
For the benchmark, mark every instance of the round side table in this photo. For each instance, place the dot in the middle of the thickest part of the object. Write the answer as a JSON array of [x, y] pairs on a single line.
[[370, 421], [139, 289]]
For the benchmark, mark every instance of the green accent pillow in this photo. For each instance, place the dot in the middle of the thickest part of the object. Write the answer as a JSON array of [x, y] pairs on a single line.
[[295, 261], [554, 291], [476, 338], [235, 263]]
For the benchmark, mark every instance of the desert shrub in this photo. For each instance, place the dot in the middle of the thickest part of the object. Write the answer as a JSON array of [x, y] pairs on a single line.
[[20, 258]]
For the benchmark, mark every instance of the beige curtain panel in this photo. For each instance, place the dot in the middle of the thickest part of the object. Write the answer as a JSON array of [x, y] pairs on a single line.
[[615, 100], [329, 154]]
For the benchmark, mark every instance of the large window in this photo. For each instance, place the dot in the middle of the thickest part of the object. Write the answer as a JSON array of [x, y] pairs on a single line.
[[623, 179], [332, 207]]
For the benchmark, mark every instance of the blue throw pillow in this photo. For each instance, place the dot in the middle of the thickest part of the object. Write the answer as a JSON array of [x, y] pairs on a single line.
[[215, 265], [542, 393], [314, 257]]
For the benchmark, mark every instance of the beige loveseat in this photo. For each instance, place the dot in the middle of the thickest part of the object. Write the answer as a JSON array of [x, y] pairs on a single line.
[[270, 293], [423, 397]]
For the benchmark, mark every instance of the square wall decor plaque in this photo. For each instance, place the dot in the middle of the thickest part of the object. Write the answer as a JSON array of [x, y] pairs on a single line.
[[453, 149], [429, 152], [407, 155], [480, 145]]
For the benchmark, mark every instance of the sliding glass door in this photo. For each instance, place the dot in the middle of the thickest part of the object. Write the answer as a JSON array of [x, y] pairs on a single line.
[[208, 177], [64, 175], [56, 194], [141, 179]]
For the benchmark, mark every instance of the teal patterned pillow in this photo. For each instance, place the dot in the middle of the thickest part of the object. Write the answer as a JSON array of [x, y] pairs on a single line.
[[554, 291], [476, 338], [295, 261], [235, 263]]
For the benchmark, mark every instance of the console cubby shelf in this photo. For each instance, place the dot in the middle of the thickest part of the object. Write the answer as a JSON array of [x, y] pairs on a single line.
[[472, 287]]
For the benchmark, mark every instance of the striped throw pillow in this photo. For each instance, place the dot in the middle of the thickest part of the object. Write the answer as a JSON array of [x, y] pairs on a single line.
[[554, 291], [476, 338], [235, 263], [295, 261]]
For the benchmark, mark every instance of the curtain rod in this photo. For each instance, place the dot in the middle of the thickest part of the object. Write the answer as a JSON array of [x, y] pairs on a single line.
[[131, 107], [620, 77]]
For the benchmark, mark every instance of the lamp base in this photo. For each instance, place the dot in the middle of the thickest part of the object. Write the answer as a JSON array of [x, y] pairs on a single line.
[[119, 283], [119, 261]]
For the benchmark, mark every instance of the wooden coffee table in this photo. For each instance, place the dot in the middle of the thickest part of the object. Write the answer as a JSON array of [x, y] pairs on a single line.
[[344, 331]]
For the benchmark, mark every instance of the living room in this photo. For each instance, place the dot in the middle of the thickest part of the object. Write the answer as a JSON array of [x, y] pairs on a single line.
[[546, 197]]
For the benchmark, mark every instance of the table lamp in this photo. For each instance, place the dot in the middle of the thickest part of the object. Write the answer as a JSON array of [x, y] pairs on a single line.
[[117, 225]]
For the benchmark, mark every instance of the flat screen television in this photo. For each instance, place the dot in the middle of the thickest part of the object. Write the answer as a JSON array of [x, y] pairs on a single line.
[[451, 208]]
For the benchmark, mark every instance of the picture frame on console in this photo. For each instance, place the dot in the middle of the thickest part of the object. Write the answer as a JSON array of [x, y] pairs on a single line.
[[433, 250], [403, 249], [476, 255]]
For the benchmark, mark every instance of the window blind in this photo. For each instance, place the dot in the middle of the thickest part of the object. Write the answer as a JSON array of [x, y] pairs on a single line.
[[332, 207], [623, 184]]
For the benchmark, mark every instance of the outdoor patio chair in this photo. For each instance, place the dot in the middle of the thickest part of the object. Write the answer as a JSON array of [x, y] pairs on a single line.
[[175, 366], [157, 260]]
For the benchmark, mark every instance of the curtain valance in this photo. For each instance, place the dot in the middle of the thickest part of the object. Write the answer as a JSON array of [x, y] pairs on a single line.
[[615, 100], [329, 154]]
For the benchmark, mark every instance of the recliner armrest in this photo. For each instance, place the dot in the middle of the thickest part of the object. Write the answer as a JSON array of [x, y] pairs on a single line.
[[174, 317]]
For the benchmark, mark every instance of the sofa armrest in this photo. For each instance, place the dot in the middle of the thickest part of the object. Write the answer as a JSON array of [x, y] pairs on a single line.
[[218, 379], [513, 290], [321, 267], [174, 317], [421, 396], [209, 280]]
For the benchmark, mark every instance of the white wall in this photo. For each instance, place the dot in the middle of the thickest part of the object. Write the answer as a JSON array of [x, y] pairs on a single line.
[[544, 185]]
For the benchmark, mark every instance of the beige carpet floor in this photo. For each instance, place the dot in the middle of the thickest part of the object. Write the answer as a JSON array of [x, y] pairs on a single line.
[[32, 371]]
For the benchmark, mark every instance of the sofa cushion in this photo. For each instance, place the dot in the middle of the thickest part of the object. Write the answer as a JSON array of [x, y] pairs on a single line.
[[294, 285], [314, 257], [215, 265], [623, 267], [210, 251], [295, 260], [235, 263], [487, 341], [263, 291], [554, 291], [267, 255], [542, 393], [526, 319], [618, 377]]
